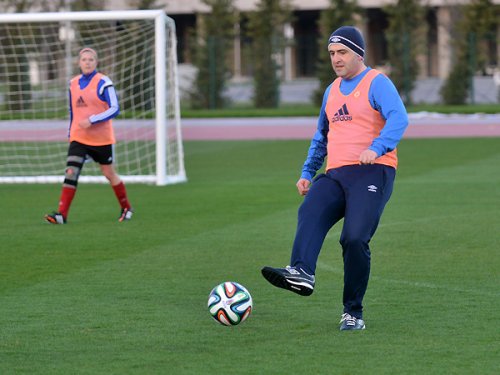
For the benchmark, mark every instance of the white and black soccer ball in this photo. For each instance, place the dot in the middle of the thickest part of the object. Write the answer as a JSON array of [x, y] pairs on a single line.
[[230, 303]]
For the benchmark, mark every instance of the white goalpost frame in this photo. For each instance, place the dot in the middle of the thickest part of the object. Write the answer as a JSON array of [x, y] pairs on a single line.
[[160, 18]]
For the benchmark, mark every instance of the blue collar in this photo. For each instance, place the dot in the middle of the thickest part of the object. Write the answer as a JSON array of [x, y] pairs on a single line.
[[89, 76], [86, 78]]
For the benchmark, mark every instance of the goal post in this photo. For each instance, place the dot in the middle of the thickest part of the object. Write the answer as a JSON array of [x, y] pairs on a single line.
[[38, 56]]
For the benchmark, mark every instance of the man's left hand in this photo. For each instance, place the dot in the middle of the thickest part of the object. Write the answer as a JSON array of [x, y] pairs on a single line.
[[367, 157], [85, 123]]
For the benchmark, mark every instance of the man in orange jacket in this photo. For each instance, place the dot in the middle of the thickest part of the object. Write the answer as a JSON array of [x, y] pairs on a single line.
[[362, 119]]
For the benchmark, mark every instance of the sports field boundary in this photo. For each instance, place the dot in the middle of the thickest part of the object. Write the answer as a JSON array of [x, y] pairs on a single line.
[[422, 125]]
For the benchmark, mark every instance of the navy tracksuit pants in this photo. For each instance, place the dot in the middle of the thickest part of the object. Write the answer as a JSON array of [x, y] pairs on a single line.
[[357, 193]]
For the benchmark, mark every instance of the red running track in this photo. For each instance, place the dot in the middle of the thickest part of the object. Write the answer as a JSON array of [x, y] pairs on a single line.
[[421, 126], [304, 127]]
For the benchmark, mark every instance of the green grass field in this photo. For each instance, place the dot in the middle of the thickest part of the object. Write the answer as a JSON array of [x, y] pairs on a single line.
[[101, 297]]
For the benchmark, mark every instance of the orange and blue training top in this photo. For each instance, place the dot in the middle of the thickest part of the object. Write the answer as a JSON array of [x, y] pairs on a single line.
[[365, 112], [92, 97]]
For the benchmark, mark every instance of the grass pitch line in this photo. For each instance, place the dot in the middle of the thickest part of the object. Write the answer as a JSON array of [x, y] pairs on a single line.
[[415, 284]]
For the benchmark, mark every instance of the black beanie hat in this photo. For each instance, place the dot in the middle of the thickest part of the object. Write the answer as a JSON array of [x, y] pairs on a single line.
[[350, 37]]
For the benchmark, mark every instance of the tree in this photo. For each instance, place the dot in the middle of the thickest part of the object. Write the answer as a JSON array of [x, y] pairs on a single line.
[[129, 35], [15, 46], [339, 13], [478, 24], [145, 4], [266, 28], [14, 62], [214, 37], [87, 5], [14, 59], [405, 38]]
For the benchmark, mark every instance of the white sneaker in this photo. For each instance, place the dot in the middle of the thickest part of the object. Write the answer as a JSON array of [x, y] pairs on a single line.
[[351, 323], [125, 214]]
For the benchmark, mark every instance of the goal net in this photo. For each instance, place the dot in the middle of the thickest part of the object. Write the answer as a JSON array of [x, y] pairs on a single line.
[[38, 57]]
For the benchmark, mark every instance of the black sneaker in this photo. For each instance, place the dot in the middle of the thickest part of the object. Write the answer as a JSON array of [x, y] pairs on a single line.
[[125, 214], [350, 323], [55, 218], [291, 278]]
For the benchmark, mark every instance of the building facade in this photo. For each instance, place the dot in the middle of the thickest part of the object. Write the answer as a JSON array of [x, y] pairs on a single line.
[[301, 55]]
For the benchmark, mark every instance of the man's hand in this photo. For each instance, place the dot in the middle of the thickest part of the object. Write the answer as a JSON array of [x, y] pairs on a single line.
[[367, 157], [303, 186], [85, 123]]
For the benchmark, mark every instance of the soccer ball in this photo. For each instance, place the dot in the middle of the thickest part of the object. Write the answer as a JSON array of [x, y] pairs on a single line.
[[230, 303]]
